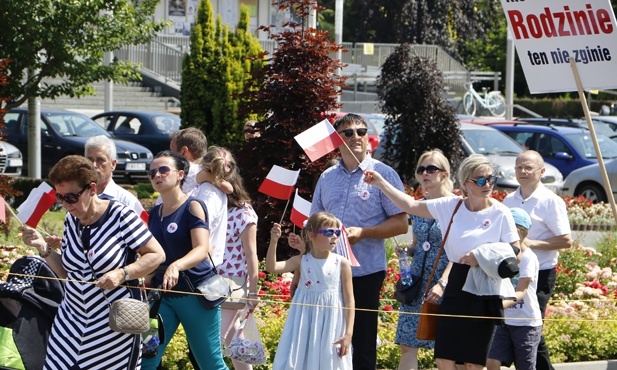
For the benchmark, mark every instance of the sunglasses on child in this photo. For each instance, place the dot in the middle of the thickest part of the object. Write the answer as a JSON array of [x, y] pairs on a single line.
[[349, 132], [429, 169], [329, 232], [71, 198], [163, 170], [481, 181]]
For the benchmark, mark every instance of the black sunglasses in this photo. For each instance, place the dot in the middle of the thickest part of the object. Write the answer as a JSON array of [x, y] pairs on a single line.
[[430, 169], [349, 132], [163, 170], [71, 198], [329, 232], [481, 181]]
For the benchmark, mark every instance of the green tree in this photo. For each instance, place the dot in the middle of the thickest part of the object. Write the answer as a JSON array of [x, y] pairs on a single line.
[[293, 91], [67, 40], [214, 75], [418, 118]]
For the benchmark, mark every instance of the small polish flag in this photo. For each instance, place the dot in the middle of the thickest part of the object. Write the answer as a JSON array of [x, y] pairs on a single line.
[[319, 140], [344, 248], [38, 202], [279, 183], [300, 211], [2, 210]]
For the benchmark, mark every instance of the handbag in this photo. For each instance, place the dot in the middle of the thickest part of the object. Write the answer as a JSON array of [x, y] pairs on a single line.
[[212, 290], [129, 315], [408, 293], [239, 293], [427, 325], [126, 315]]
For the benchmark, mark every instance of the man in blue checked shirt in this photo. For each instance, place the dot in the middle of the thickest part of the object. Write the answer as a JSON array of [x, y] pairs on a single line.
[[369, 217]]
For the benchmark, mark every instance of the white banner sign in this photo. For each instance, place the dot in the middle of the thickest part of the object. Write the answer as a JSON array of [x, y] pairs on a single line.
[[547, 33]]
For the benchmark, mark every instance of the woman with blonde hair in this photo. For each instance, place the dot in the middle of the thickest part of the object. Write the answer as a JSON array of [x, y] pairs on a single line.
[[433, 175], [476, 219]]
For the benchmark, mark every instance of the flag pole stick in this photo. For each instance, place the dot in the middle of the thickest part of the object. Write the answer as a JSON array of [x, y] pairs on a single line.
[[284, 211], [354, 156], [21, 223]]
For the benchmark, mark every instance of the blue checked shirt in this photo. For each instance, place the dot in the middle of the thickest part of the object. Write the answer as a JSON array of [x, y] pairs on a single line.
[[355, 203]]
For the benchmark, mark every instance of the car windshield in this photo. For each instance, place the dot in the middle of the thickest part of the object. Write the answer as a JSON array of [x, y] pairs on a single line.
[[74, 124], [490, 142], [584, 145], [167, 124]]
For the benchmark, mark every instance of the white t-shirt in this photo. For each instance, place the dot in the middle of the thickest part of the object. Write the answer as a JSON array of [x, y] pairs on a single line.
[[470, 229], [216, 204], [549, 218], [238, 219], [120, 194], [528, 307]]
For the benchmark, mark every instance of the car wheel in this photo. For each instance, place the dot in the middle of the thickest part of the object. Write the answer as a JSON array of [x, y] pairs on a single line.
[[592, 192]]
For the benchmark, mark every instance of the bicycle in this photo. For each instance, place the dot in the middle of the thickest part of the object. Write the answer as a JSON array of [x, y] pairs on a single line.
[[492, 101]]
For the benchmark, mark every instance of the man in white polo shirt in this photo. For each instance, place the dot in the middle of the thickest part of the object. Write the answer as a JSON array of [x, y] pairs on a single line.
[[549, 232]]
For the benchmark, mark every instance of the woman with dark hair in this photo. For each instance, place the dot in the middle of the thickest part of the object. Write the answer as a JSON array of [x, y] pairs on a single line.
[[180, 224], [97, 257]]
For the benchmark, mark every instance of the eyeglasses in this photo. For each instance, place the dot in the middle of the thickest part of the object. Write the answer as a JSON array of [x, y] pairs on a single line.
[[71, 198], [349, 132], [329, 232], [250, 130], [163, 170], [481, 181], [429, 169]]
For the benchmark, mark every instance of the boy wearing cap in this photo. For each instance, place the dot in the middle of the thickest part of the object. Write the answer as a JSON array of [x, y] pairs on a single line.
[[517, 340]]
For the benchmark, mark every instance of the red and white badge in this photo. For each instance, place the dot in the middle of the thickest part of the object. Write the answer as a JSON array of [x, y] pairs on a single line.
[[426, 246], [172, 227]]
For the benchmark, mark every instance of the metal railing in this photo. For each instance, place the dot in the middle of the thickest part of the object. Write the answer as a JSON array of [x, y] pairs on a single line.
[[163, 56]]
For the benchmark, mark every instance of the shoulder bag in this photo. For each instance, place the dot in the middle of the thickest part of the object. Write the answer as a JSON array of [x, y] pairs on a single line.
[[427, 325], [212, 290], [126, 315]]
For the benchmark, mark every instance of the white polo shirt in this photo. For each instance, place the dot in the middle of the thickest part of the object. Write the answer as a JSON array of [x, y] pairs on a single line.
[[549, 218], [120, 194]]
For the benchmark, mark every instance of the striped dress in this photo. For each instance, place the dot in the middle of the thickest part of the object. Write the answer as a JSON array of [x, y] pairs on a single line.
[[81, 337]]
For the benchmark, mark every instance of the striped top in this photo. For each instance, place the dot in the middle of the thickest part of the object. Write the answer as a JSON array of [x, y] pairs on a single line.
[[81, 337]]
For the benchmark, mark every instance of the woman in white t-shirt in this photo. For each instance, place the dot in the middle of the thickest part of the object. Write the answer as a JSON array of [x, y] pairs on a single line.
[[479, 219]]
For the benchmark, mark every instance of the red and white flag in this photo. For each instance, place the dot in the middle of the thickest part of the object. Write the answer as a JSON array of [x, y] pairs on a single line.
[[319, 140], [2, 210], [344, 248], [300, 211], [279, 183], [38, 202]]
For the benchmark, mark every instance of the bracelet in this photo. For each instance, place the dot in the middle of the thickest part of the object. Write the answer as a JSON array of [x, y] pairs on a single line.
[[443, 283], [47, 251], [251, 294]]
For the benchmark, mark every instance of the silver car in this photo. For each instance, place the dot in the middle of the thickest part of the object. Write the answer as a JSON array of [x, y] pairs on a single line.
[[11, 160], [587, 181], [502, 152]]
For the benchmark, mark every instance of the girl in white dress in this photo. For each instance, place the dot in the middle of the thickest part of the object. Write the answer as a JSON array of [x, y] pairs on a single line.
[[319, 325]]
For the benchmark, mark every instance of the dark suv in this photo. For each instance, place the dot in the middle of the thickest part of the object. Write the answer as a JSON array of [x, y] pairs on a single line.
[[64, 133]]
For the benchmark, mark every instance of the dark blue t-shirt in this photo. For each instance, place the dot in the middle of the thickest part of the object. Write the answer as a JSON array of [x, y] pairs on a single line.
[[173, 232]]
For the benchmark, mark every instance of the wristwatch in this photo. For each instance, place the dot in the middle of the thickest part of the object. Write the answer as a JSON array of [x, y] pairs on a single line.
[[442, 282], [127, 277]]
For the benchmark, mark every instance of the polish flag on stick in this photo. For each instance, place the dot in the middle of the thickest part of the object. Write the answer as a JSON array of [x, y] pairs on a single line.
[[319, 140], [344, 248], [300, 210], [279, 183], [2, 210], [38, 202]]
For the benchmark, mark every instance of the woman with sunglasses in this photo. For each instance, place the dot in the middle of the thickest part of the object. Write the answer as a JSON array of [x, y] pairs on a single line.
[[180, 224], [318, 330], [433, 175], [98, 248], [479, 220]]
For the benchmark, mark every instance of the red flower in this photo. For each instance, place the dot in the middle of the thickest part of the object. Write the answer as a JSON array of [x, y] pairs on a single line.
[[387, 308]]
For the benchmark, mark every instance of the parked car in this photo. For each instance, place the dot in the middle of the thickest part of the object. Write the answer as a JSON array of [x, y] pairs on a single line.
[[150, 129], [64, 133], [566, 148], [502, 152], [587, 181], [373, 132], [11, 161]]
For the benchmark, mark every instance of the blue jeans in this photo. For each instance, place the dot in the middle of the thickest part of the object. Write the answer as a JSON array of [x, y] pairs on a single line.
[[202, 328]]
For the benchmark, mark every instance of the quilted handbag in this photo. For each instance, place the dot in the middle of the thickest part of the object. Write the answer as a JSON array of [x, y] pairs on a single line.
[[129, 315]]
